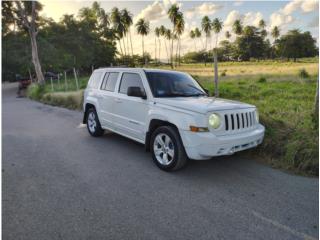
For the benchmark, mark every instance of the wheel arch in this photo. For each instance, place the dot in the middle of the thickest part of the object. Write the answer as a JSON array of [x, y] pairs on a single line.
[[153, 125], [87, 107]]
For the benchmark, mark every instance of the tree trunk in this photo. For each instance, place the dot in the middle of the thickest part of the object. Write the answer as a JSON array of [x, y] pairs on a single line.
[[165, 43], [205, 52], [35, 57], [159, 50], [124, 46], [120, 47], [155, 50], [131, 42], [216, 90], [171, 54], [177, 49]]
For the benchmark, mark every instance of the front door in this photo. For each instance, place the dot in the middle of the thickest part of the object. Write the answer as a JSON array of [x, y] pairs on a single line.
[[130, 112]]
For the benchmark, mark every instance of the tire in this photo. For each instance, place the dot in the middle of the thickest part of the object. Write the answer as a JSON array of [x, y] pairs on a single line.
[[93, 123], [162, 153]]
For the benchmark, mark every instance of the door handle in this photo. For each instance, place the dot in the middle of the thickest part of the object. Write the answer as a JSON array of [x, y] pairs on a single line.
[[118, 100]]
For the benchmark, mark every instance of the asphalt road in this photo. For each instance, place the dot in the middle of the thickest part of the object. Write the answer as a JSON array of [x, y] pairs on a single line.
[[60, 183]]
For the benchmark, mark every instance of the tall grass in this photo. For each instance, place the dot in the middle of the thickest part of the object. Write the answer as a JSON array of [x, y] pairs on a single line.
[[285, 101]]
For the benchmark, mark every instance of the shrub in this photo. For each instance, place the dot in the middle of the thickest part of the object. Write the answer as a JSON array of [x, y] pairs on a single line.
[[71, 100], [35, 91], [303, 73], [262, 80], [224, 73]]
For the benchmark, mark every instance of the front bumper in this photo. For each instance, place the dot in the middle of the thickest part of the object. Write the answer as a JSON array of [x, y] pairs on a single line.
[[201, 146]]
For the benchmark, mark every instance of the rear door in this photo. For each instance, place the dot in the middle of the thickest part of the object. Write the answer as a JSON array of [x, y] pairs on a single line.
[[107, 96], [130, 112]]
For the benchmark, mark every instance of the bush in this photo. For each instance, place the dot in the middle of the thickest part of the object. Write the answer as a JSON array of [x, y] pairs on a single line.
[[35, 91], [262, 80], [303, 73], [71, 100], [224, 73]]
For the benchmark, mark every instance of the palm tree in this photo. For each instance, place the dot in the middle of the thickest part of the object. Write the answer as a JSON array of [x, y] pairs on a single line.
[[206, 27], [217, 27], [197, 33], [118, 26], [193, 36], [157, 33], [143, 28], [262, 24], [173, 13], [228, 35], [179, 28], [163, 34], [275, 33], [168, 36], [237, 27], [126, 18]]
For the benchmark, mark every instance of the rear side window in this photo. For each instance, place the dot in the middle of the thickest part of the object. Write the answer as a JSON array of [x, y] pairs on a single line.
[[94, 80], [110, 81], [130, 80]]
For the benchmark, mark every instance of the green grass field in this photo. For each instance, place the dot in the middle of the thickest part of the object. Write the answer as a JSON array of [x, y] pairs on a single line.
[[285, 101]]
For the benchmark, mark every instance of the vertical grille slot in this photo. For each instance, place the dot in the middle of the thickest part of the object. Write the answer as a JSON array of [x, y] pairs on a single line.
[[250, 118], [226, 122], [247, 120], [242, 120], [238, 121], [232, 122]]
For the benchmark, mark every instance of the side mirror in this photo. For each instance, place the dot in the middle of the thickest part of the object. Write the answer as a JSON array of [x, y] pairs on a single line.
[[136, 92]]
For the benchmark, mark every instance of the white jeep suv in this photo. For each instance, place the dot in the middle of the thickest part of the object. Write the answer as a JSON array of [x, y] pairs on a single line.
[[170, 113]]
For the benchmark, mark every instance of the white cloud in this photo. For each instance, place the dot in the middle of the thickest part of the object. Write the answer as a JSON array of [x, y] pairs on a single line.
[[302, 5], [152, 12], [202, 10], [155, 11], [250, 18], [309, 6], [279, 19], [232, 16]]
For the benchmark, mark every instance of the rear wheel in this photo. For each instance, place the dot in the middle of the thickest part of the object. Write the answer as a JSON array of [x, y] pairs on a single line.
[[167, 149], [93, 123]]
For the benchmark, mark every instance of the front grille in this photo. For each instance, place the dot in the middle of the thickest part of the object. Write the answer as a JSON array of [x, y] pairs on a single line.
[[239, 121]]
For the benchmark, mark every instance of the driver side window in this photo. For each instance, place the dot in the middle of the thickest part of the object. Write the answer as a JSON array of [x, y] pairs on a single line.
[[130, 80]]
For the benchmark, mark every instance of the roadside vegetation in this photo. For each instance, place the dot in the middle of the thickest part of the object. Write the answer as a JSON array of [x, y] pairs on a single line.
[[285, 100]]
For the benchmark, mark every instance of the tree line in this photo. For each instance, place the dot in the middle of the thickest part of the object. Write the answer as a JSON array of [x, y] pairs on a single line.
[[95, 38]]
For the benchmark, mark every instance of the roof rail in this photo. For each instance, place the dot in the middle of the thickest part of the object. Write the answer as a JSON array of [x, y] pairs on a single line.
[[120, 66]]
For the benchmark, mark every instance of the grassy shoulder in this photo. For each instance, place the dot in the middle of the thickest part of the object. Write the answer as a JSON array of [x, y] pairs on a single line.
[[285, 101], [71, 99]]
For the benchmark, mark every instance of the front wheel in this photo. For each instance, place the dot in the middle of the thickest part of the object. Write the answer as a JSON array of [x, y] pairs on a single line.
[[93, 123], [167, 149]]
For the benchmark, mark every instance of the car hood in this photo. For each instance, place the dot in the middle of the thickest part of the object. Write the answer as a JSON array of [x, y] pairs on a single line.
[[202, 104]]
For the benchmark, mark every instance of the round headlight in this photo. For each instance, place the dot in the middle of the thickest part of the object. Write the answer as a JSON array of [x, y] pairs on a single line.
[[257, 116], [214, 120]]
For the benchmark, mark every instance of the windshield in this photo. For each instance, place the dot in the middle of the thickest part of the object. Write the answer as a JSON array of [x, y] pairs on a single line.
[[173, 84]]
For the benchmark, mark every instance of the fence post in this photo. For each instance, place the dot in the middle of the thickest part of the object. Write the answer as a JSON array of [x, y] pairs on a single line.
[[59, 80], [75, 76], [51, 84], [65, 81]]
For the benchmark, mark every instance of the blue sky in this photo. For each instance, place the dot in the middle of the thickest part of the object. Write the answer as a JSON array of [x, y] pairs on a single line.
[[301, 14]]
